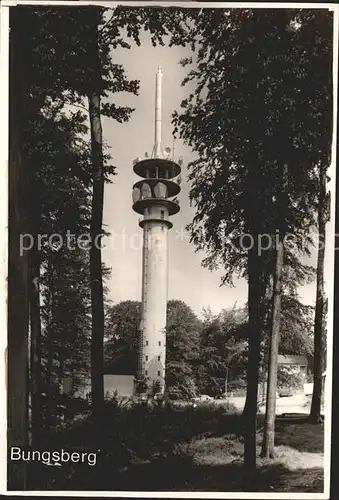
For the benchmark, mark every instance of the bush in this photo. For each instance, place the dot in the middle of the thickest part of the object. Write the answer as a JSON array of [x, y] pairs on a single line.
[[239, 383], [220, 407], [141, 385], [130, 429], [173, 394], [184, 389], [290, 378], [129, 432], [237, 387]]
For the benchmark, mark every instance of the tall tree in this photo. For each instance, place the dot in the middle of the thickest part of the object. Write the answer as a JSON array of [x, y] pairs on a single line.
[[274, 338], [319, 318], [259, 64], [268, 437], [35, 333], [223, 350], [18, 264], [96, 283], [58, 162], [182, 349], [45, 140], [76, 65], [57, 44], [121, 337]]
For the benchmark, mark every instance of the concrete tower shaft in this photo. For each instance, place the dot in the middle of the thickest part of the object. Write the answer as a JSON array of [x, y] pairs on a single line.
[[154, 300], [153, 199]]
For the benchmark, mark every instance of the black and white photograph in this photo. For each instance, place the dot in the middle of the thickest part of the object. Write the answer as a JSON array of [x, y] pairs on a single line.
[[169, 211]]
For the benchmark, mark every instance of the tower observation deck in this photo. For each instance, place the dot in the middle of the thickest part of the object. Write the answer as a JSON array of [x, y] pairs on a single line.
[[154, 199]]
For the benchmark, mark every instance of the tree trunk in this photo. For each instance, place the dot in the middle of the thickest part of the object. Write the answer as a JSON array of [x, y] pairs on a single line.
[[268, 438], [226, 382], [97, 294], [49, 383], [315, 414], [256, 312], [263, 387], [35, 358], [274, 338], [50, 351], [18, 265]]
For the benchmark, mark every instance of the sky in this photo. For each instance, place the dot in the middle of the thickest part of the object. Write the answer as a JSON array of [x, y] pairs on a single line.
[[188, 280]]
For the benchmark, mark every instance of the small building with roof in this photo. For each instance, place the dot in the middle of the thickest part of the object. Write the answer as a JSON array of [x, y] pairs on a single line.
[[300, 363]]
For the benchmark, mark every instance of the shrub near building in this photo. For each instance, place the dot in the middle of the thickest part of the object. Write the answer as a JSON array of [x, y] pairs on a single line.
[[290, 379]]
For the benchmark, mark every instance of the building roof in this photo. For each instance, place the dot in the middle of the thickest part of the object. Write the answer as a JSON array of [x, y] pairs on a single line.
[[292, 360]]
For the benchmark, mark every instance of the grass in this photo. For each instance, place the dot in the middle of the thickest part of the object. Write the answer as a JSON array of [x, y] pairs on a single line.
[[300, 434], [298, 466], [184, 449]]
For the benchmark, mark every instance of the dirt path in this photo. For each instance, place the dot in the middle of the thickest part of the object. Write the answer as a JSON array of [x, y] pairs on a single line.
[[298, 403]]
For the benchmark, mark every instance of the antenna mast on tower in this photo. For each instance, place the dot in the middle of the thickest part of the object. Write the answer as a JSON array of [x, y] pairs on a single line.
[[157, 150]]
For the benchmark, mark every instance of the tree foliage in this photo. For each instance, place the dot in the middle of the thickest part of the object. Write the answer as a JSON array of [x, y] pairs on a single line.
[[58, 162], [182, 344], [121, 338], [264, 67], [182, 349], [223, 350]]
